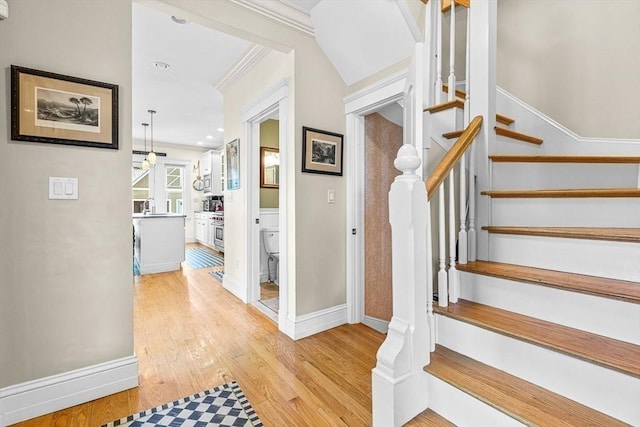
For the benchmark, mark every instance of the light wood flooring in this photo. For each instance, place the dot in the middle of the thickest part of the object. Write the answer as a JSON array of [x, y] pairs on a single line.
[[191, 335]]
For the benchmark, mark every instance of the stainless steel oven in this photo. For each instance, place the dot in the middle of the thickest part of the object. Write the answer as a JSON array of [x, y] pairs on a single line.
[[218, 232]]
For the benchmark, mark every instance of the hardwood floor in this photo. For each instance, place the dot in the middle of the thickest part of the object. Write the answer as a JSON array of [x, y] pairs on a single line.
[[191, 335]]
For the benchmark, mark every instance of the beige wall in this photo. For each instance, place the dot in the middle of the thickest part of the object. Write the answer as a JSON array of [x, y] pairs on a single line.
[[269, 138], [576, 61], [65, 266]]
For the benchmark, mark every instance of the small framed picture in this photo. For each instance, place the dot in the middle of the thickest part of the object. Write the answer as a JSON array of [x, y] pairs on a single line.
[[321, 151], [233, 164], [57, 109]]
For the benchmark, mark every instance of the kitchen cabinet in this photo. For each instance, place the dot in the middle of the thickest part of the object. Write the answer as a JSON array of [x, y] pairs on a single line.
[[205, 162], [216, 173], [211, 232], [159, 242], [202, 230]]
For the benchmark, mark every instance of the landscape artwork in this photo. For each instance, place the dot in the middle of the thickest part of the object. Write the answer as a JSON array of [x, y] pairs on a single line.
[[58, 109], [66, 110], [321, 151]]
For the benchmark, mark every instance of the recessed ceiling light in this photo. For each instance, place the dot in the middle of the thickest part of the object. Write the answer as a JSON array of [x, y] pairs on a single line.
[[200, 142], [161, 65], [220, 130], [178, 20], [209, 136]]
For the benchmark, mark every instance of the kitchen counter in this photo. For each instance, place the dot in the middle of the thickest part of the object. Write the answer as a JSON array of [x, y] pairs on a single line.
[[159, 242]]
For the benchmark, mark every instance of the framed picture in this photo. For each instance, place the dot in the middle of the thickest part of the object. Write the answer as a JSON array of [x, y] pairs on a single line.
[[321, 151], [233, 164], [57, 109], [269, 167]]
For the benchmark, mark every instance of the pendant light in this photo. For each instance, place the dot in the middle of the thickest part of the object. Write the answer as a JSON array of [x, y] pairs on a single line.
[[152, 155], [145, 162]]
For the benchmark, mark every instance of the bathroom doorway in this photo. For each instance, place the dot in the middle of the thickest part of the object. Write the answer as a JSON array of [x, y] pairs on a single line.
[[269, 215]]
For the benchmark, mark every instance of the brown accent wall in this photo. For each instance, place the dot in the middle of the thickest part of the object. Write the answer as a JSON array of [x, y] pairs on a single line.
[[382, 141]]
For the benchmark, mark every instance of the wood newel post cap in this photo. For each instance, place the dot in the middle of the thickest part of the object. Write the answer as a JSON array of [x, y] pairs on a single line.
[[407, 160]]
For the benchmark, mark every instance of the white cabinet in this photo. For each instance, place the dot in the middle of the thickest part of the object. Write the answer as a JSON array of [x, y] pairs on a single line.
[[216, 173], [211, 232], [159, 242], [205, 163], [202, 230]]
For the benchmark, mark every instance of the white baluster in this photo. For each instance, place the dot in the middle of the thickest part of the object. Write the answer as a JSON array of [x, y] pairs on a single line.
[[453, 273], [429, 261], [467, 85], [472, 204], [452, 53], [438, 89], [443, 292], [462, 235]]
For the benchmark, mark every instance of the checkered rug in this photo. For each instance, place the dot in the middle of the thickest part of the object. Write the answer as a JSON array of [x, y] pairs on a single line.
[[202, 258], [224, 406]]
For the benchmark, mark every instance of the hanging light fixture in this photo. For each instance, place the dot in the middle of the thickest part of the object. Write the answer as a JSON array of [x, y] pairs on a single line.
[[152, 155], [145, 162]]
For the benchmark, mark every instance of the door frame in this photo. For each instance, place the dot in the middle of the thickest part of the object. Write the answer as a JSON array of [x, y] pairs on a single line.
[[274, 100], [357, 106]]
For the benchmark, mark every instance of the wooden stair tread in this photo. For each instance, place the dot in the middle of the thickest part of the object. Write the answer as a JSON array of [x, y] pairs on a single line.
[[456, 103], [564, 193], [459, 93], [564, 159], [454, 134], [517, 135], [429, 418], [504, 119], [613, 354], [594, 233], [520, 399], [599, 286]]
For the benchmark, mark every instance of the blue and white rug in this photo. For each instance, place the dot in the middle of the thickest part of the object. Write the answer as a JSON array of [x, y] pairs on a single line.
[[224, 406], [136, 267], [202, 258]]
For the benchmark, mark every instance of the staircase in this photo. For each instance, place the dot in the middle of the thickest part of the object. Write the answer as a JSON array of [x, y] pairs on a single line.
[[547, 331], [542, 327]]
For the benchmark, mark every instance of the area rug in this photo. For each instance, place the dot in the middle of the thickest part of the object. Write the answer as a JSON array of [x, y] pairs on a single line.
[[218, 275], [201, 258], [272, 303], [136, 267], [224, 406]]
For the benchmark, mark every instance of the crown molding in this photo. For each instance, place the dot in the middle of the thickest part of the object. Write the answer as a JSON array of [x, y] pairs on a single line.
[[254, 55], [282, 12]]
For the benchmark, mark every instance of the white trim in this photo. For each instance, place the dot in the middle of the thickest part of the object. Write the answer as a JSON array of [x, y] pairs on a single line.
[[266, 311], [273, 100], [254, 55], [379, 325], [411, 23], [233, 286], [38, 397], [282, 13], [318, 321], [357, 105], [560, 127]]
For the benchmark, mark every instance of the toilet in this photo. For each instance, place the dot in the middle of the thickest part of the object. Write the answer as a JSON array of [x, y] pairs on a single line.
[[271, 242]]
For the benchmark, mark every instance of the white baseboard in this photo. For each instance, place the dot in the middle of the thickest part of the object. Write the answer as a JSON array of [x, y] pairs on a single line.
[[318, 321], [235, 287], [39, 397], [190, 239], [379, 325], [159, 268]]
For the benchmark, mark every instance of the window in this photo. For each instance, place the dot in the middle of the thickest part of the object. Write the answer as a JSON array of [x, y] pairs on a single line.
[[174, 180], [140, 188]]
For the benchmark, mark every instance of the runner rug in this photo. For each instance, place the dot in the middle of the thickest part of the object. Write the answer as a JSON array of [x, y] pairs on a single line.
[[224, 406], [201, 258]]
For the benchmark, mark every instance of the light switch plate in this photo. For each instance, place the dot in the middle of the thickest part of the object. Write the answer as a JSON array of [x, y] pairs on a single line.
[[331, 196], [63, 188]]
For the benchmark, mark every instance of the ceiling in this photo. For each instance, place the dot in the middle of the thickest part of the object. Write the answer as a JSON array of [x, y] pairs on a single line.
[[359, 37]]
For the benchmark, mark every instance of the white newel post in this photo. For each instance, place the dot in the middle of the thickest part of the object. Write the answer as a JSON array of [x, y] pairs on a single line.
[[399, 383]]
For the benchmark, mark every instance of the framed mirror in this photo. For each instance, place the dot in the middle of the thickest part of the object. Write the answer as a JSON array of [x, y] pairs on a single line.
[[269, 167]]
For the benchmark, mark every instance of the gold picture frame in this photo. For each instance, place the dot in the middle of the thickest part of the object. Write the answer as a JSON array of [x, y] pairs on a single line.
[[58, 109], [321, 151], [269, 167]]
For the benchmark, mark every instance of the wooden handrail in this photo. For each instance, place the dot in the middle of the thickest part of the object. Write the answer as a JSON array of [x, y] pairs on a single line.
[[451, 158]]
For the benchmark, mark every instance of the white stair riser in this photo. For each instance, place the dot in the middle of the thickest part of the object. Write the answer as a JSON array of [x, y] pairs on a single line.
[[602, 389], [517, 176], [617, 260], [566, 212], [603, 316], [504, 145], [447, 401]]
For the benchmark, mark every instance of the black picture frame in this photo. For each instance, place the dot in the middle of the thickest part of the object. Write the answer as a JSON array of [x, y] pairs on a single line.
[[322, 151], [57, 109]]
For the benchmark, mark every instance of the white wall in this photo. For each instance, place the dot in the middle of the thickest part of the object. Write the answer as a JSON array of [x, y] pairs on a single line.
[[65, 266]]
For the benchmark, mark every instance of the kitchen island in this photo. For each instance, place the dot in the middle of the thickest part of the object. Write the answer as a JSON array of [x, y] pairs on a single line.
[[159, 241]]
